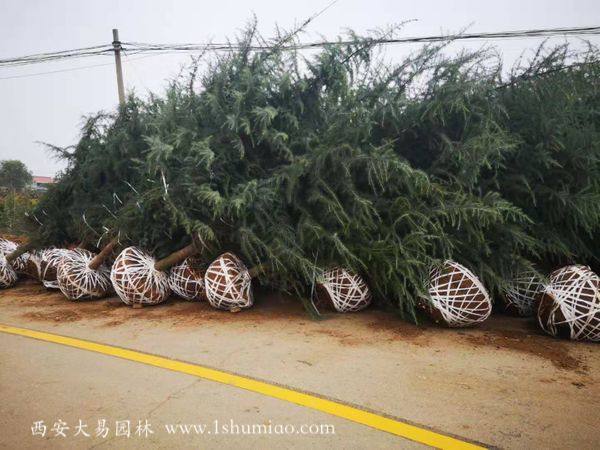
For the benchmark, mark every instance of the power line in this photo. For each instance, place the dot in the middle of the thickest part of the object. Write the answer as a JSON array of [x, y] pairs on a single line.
[[549, 32], [139, 47], [59, 55], [72, 69]]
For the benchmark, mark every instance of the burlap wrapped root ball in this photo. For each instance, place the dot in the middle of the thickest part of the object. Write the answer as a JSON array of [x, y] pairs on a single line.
[[521, 295], [187, 279], [26, 264], [342, 290], [77, 281], [7, 246], [8, 276], [135, 279], [49, 261], [228, 283], [569, 305], [457, 298]]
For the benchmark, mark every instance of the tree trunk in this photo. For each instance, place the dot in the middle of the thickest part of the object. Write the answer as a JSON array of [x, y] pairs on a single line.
[[100, 257], [19, 251], [176, 257]]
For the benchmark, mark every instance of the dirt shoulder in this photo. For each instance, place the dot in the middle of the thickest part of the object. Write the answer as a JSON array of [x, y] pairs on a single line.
[[504, 383]]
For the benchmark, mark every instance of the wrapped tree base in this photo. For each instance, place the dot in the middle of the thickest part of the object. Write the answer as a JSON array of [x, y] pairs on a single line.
[[25, 264], [135, 279], [7, 246], [228, 283], [343, 291], [28, 264], [187, 279], [569, 306], [49, 261], [521, 296], [457, 298], [8, 276], [77, 281]]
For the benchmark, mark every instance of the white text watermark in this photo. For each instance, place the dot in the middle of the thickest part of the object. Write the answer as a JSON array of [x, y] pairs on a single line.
[[127, 428]]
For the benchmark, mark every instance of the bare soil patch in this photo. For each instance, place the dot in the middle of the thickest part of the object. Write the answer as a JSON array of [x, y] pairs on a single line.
[[33, 302]]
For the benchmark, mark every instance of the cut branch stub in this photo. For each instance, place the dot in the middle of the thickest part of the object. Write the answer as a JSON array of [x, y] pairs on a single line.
[[104, 253], [175, 258], [19, 251]]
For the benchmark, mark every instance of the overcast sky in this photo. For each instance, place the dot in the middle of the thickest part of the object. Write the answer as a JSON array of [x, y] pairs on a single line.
[[50, 107]]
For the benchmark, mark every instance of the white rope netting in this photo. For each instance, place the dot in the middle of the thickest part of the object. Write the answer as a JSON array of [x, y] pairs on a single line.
[[570, 304], [77, 281], [521, 294], [8, 276], [28, 264], [22, 264], [135, 279], [228, 284], [457, 297], [346, 291], [7, 246], [49, 260], [187, 279]]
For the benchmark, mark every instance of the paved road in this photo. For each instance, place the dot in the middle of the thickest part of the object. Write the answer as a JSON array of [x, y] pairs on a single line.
[[46, 382], [503, 384]]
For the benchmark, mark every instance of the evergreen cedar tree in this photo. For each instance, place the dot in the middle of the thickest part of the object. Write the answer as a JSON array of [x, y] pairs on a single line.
[[344, 159]]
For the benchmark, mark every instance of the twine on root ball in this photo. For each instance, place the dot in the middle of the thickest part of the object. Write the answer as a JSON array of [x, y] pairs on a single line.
[[7, 246], [521, 294], [50, 259], [569, 305], [139, 279], [187, 279], [22, 261], [8, 276], [32, 266], [28, 264], [456, 296], [342, 289], [135, 279], [228, 283], [78, 281]]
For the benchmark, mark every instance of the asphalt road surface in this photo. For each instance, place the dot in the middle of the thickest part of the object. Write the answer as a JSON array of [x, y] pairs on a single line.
[[503, 385]]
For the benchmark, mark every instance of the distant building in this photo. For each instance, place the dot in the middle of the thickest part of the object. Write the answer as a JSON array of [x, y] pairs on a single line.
[[41, 183]]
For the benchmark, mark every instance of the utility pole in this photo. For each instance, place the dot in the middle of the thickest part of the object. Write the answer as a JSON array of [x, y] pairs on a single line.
[[117, 46]]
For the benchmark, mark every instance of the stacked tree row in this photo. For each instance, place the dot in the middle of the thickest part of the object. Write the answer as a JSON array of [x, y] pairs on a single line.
[[345, 164]]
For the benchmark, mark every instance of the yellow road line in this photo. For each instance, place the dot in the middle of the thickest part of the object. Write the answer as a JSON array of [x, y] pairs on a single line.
[[353, 414]]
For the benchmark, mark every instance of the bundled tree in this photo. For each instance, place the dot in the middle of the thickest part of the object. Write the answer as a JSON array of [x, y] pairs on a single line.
[[554, 173], [298, 165], [100, 177]]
